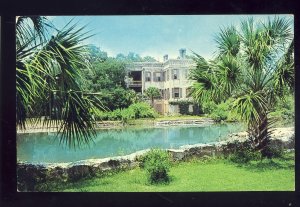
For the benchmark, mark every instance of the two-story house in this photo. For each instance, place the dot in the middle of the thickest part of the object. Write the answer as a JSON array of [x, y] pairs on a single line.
[[169, 76]]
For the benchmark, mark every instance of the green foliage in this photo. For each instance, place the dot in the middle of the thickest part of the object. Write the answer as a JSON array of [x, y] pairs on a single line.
[[134, 57], [242, 152], [184, 109], [127, 114], [208, 107], [143, 110], [220, 113], [121, 98], [284, 110], [100, 114], [157, 165], [117, 98], [134, 111], [217, 175], [95, 54], [244, 156], [255, 66], [274, 151], [228, 41], [106, 75], [49, 78], [116, 115], [223, 111], [152, 93], [149, 59]]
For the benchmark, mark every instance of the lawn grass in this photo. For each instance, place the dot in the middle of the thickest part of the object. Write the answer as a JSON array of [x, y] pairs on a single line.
[[198, 175]]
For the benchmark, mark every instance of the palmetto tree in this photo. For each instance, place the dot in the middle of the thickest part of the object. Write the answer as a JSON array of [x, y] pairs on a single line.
[[48, 70], [255, 65], [152, 93]]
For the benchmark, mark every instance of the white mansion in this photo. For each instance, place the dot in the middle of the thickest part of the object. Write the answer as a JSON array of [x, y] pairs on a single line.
[[170, 76]]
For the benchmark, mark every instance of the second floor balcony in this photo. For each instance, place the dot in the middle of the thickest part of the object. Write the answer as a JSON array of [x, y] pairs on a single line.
[[135, 84]]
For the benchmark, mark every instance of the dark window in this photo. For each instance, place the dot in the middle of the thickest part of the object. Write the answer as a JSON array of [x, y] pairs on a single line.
[[157, 76], [162, 93], [148, 76], [175, 74], [176, 92]]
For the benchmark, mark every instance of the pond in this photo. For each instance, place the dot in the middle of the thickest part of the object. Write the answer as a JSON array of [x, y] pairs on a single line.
[[45, 147]]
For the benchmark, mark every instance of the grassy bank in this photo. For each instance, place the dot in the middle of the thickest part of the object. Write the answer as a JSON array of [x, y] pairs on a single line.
[[198, 175]]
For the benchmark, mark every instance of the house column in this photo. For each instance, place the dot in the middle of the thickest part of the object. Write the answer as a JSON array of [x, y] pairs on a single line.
[[143, 80]]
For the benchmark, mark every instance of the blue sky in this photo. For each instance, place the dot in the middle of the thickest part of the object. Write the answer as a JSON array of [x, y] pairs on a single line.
[[156, 35]]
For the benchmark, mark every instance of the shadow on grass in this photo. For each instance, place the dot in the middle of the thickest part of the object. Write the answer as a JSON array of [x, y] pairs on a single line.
[[286, 162], [79, 185]]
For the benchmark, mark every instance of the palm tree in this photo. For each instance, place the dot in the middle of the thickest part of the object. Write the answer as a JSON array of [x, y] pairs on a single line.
[[152, 93], [255, 66], [49, 82]]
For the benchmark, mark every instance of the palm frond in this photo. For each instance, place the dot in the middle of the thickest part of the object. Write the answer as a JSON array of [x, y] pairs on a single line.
[[277, 31], [201, 63], [251, 107], [77, 123], [49, 78], [228, 41], [229, 74]]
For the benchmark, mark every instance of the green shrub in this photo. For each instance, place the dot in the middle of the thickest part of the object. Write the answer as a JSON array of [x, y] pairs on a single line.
[[244, 156], [157, 164], [184, 108], [242, 152], [274, 151], [143, 110], [208, 107], [223, 111], [220, 113], [284, 110], [115, 115], [134, 111], [100, 115], [127, 114]]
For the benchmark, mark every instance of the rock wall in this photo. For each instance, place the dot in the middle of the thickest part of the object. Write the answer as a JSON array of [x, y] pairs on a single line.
[[28, 175]]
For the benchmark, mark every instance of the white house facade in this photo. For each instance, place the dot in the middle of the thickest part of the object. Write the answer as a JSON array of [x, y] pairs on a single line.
[[169, 76]]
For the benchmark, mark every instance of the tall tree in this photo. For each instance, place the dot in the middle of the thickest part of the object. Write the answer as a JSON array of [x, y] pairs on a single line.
[[48, 70], [254, 65], [134, 57], [149, 59], [111, 71], [95, 54]]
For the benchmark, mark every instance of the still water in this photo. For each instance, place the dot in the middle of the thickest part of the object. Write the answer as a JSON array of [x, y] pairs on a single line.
[[43, 147]]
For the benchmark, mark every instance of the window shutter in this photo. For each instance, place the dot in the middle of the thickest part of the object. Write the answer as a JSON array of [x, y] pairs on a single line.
[[180, 92], [168, 94], [172, 92]]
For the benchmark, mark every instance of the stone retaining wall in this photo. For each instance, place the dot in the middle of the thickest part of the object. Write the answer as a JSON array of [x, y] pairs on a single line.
[[202, 121], [31, 174]]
